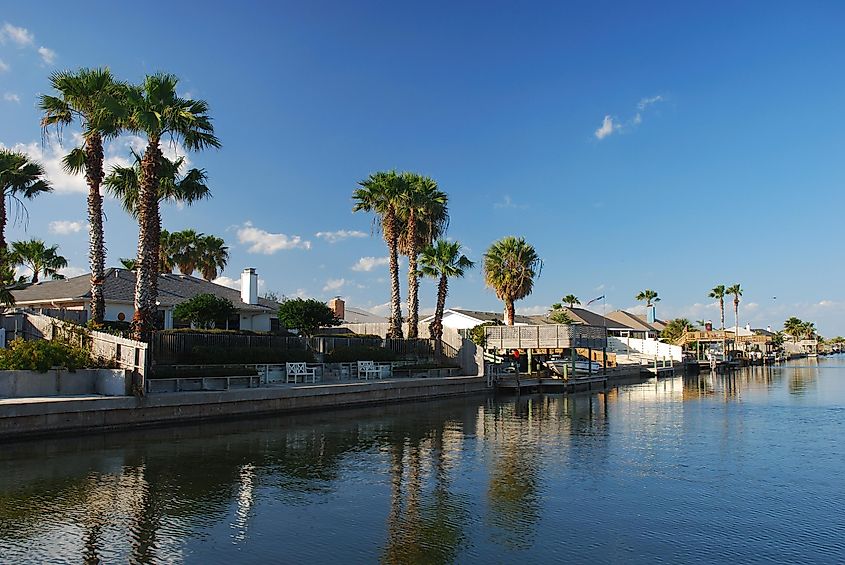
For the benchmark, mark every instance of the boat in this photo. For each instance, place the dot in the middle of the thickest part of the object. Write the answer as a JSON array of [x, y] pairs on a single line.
[[563, 366]]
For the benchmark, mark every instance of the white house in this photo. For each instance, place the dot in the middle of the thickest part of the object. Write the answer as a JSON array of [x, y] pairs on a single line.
[[253, 313]]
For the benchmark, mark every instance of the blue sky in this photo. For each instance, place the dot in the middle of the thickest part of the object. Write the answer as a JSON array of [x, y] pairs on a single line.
[[637, 145]]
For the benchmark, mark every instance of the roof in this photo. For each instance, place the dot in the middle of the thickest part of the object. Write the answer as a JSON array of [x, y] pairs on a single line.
[[586, 317], [634, 322], [358, 316], [119, 286], [578, 315]]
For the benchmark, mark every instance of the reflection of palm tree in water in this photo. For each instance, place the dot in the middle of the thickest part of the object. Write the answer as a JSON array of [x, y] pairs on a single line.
[[422, 529]]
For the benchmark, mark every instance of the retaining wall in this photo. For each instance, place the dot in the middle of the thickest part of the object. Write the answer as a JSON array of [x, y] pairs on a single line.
[[60, 382], [20, 419]]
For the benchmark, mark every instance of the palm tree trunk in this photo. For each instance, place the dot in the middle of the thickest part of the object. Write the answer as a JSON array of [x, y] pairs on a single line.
[[722, 311], [413, 279], [436, 327], [149, 233], [97, 250], [3, 246], [35, 270], [395, 328], [510, 312]]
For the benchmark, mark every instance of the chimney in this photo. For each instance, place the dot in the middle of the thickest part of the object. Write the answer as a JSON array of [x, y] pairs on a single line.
[[768, 328], [748, 327], [249, 286], [338, 306], [651, 314]]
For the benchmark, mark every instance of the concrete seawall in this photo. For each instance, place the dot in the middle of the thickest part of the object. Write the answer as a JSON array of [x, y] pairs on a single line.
[[27, 417]]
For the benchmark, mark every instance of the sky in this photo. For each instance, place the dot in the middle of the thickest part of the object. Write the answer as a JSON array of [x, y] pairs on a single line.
[[664, 145]]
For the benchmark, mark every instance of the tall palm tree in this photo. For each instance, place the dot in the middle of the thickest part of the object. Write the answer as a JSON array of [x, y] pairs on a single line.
[[424, 215], [736, 290], [794, 327], [213, 256], [38, 258], [157, 112], [571, 300], [719, 292], [648, 296], [20, 178], [186, 250], [91, 96], [381, 193], [124, 183], [442, 260], [510, 266]]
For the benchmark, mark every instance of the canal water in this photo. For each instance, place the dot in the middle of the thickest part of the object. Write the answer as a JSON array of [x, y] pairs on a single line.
[[746, 467]]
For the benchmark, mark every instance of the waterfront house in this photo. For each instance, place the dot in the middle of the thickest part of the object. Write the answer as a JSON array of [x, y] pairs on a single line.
[[73, 295], [460, 319], [626, 324]]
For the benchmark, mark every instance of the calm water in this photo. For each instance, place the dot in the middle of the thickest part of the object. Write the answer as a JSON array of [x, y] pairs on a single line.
[[739, 468]]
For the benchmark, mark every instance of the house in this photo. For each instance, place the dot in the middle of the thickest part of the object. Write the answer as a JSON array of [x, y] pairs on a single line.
[[460, 319], [349, 315], [637, 327], [253, 313]]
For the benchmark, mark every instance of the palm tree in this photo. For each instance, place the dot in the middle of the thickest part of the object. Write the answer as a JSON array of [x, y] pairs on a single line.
[[381, 193], [648, 296], [701, 323], [213, 256], [186, 250], [92, 97], [719, 292], [8, 282], [424, 215], [442, 260], [124, 183], [571, 300], [38, 258], [20, 178], [808, 330], [129, 264], [510, 266], [157, 112], [794, 327], [736, 290]]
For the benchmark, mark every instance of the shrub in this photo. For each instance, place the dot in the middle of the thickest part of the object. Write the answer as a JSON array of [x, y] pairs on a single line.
[[204, 310], [360, 353], [307, 316], [42, 355]]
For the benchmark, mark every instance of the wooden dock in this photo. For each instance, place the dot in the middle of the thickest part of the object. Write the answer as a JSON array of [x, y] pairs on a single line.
[[582, 383]]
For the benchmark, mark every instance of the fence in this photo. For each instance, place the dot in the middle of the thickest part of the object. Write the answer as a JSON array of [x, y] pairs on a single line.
[[124, 353], [546, 336], [171, 348]]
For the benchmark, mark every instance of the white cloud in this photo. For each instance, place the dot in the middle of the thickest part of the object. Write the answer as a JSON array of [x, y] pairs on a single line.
[[11, 97], [17, 35], [50, 155], [533, 310], [65, 227], [3, 66], [267, 243], [228, 281], [367, 264], [507, 202], [646, 102], [72, 271], [333, 285], [607, 128], [339, 235], [47, 55]]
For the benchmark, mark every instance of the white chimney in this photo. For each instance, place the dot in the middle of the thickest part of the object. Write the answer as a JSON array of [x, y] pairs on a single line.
[[249, 286], [748, 327]]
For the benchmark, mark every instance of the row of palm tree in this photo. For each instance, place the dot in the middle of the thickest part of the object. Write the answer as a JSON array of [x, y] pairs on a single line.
[[105, 107], [189, 252], [719, 292], [799, 329], [412, 213]]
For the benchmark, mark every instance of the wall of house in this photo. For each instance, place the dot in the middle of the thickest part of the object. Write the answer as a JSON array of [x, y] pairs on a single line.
[[255, 322], [113, 309]]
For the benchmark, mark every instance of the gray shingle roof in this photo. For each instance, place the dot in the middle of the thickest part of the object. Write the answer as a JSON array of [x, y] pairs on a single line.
[[578, 315], [635, 322], [119, 286]]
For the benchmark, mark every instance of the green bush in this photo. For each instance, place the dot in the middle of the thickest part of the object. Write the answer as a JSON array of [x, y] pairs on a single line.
[[360, 353], [43, 355], [205, 310]]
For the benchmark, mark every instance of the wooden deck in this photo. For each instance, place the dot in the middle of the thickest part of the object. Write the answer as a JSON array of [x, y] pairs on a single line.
[[551, 336]]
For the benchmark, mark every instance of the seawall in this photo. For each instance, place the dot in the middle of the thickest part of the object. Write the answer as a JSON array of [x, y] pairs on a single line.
[[20, 418]]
